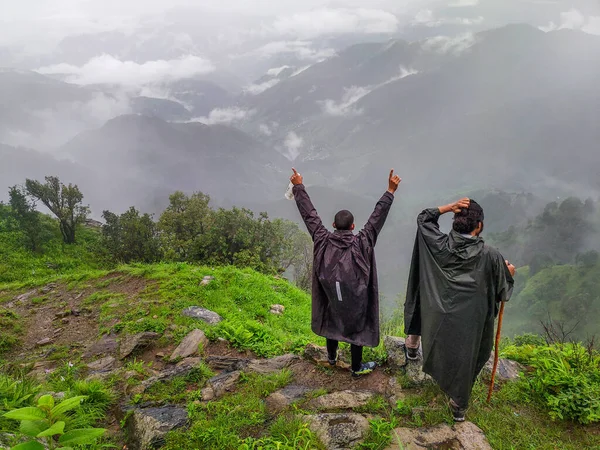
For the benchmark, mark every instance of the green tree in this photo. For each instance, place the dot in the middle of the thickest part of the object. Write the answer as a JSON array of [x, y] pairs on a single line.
[[28, 219], [131, 236], [65, 202], [184, 224]]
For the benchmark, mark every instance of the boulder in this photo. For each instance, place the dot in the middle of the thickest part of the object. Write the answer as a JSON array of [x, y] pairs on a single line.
[[44, 341], [281, 399], [189, 345], [507, 369], [414, 371], [182, 368], [22, 298], [219, 385], [105, 364], [396, 352], [227, 363], [349, 399], [338, 431], [461, 436], [266, 366], [277, 309], [48, 288], [146, 428], [105, 346], [133, 343], [206, 315]]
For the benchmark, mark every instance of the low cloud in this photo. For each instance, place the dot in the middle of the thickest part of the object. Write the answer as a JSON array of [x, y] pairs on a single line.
[[293, 144], [227, 116], [446, 44], [335, 21], [575, 20], [265, 129], [275, 71], [303, 50], [255, 89], [107, 69], [346, 107], [427, 18]]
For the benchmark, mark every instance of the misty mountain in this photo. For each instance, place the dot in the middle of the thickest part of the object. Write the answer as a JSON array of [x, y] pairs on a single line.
[[219, 160], [515, 99]]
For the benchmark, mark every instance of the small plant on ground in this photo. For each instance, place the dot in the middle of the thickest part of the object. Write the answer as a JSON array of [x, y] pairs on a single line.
[[48, 422]]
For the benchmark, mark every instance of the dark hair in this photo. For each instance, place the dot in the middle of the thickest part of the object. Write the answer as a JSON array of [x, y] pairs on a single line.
[[343, 220], [466, 221]]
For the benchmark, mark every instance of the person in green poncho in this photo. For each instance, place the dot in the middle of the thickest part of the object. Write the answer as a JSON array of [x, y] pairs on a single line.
[[455, 285]]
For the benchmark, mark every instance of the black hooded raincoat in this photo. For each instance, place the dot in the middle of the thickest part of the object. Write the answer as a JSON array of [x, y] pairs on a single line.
[[345, 294], [454, 289]]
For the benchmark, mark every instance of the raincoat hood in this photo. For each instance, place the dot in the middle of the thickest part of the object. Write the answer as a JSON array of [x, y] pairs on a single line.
[[465, 247]]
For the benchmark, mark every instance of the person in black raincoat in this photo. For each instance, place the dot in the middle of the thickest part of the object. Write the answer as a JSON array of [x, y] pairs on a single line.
[[455, 285], [345, 294]]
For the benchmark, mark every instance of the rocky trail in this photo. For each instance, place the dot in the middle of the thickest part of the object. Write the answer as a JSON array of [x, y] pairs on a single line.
[[63, 322]]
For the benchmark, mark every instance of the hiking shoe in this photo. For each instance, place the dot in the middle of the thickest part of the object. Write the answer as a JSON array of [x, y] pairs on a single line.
[[412, 353], [457, 412], [332, 361], [365, 369]]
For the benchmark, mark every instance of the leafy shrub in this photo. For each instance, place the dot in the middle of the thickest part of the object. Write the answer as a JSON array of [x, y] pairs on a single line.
[[47, 422], [566, 378], [249, 335], [15, 393]]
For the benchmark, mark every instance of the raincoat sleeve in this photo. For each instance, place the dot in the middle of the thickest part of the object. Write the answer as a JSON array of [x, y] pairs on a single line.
[[309, 214], [429, 230], [375, 223]]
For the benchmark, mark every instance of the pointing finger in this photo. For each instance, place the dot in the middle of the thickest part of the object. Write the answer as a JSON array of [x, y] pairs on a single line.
[[391, 173], [294, 170]]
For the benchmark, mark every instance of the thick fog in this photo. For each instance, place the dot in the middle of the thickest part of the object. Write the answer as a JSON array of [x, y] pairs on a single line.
[[133, 100]]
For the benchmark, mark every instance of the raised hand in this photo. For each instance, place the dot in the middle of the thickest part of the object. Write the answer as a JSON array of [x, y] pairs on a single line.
[[393, 182], [461, 204], [296, 178], [511, 268]]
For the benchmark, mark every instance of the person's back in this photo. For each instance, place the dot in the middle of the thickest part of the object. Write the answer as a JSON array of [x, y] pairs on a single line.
[[345, 293], [455, 284]]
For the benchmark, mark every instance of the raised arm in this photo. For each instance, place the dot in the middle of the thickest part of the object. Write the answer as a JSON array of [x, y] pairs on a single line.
[[375, 223], [309, 214], [429, 228]]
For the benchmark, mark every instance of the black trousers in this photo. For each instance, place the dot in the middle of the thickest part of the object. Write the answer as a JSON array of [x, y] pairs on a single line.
[[355, 352]]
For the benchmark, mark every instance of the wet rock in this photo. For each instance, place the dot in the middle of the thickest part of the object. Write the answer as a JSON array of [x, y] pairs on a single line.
[[462, 436], [105, 346], [48, 288], [266, 366], [44, 341], [62, 314], [133, 343], [281, 399], [206, 315], [24, 297], [341, 400], [318, 355], [182, 368], [105, 364], [160, 355], [227, 363], [206, 280], [507, 369], [393, 392], [146, 428], [277, 309], [414, 371], [338, 431], [42, 369], [219, 385], [395, 349], [189, 345]]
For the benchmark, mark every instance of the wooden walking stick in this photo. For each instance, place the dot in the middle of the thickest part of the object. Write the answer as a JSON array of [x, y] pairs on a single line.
[[496, 351]]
